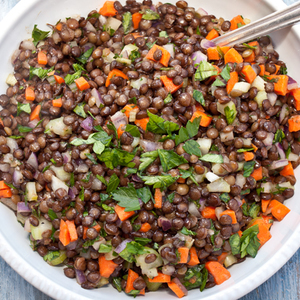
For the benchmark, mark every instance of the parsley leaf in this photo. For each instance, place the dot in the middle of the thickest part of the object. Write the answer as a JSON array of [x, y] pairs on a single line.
[[105, 248], [51, 255], [79, 110], [195, 277], [170, 159], [147, 159], [159, 125], [163, 34], [81, 194], [192, 148], [52, 215], [205, 70], [38, 35], [116, 157], [127, 198], [127, 22], [132, 248], [91, 158], [168, 99], [159, 182], [113, 183], [144, 194], [230, 114], [83, 58], [225, 197], [241, 150], [254, 210], [250, 242], [134, 55], [188, 132], [149, 14], [188, 174], [235, 244], [249, 47], [213, 158], [198, 96], [186, 231], [214, 148], [248, 168], [23, 107], [24, 128], [226, 73], [283, 70], [279, 136], [133, 130], [218, 82], [39, 72]]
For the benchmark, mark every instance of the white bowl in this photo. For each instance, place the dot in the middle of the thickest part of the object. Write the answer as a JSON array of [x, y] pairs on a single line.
[[14, 243]]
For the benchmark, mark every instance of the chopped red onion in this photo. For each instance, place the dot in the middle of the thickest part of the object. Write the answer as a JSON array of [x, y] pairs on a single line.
[[125, 54], [197, 57], [164, 223], [27, 45], [66, 157], [149, 146], [218, 211], [17, 178], [82, 168], [284, 112], [201, 12], [80, 277], [119, 119], [36, 175], [193, 210], [205, 44], [33, 123], [4, 167], [276, 164], [202, 204], [23, 208], [117, 45], [280, 151], [33, 161], [152, 7], [141, 202], [15, 56], [73, 192], [240, 180], [272, 98], [89, 27], [239, 201], [97, 96], [170, 49], [292, 84], [27, 226], [72, 245], [268, 141], [56, 37], [87, 124], [87, 46], [122, 246], [180, 286], [119, 223]]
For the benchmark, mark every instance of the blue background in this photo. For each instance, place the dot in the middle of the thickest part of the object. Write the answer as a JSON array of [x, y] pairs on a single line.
[[284, 285]]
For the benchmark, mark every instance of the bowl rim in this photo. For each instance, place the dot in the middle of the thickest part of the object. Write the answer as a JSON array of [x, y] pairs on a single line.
[[54, 290]]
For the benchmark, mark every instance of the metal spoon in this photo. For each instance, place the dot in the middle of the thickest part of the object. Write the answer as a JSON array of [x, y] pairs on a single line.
[[272, 22]]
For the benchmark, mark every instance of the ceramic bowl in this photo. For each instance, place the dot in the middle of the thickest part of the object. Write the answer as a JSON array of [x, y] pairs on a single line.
[[14, 242]]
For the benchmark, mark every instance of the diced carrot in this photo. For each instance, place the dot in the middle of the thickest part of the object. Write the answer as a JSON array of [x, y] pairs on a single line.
[[82, 84], [72, 230], [97, 227], [294, 123], [128, 108], [59, 26], [29, 93], [145, 227], [230, 213], [278, 210], [163, 278], [108, 9], [268, 220], [264, 205], [3, 186], [42, 58], [136, 34], [249, 73], [169, 85], [240, 233], [35, 114], [280, 87], [180, 180], [194, 260], [257, 174], [164, 58], [232, 56], [262, 70], [142, 123], [1, 122], [114, 73], [132, 276], [253, 146], [264, 234], [212, 34], [176, 286], [287, 170], [57, 102], [221, 258], [296, 95], [106, 267], [248, 156], [64, 235], [85, 228], [5, 193], [158, 198], [205, 119], [120, 130], [122, 214], [234, 78], [219, 273], [236, 21], [184, 254], [213, 53], [136, 19], [58, 79], [250, 58], [209, 213], [277, 69], [267, 73]]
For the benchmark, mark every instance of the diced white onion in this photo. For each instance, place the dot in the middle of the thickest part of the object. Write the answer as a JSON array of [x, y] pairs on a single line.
[[259, 83], [211, 177], [57, 184], [11, 80], [204, 144], [219, 186], [31, 191], [59, 127]]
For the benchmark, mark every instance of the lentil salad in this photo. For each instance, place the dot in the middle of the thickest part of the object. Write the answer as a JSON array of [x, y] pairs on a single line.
[[161, 155]]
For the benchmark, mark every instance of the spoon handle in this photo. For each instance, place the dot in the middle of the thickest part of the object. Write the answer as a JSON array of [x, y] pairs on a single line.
[[272, 22]]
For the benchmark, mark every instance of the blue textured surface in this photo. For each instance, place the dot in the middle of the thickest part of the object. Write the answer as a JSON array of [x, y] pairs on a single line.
[[284, 285]]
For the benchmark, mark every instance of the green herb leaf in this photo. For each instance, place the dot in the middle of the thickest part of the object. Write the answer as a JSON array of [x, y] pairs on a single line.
[[279, 190], [91, 158], [204, 279], [168, 99], [226, 73], [23, 107], [248, 168], [81, 194], [249, 47], [127, 198], [132, 248], [163, 34], [190, 131], [142, 241], [147, 159], [24, 128], [194, 277], [225, 197], [159, 182], [39, 72], [72, 180], [83, 58], [105, 248], [205, 70], [192, 148], [170, 159], [90, 243], [134, 55], [117, 283], [144, 194], [38, 35], [101, 178], [116, 157], [198, 96], [159, 125], [249, 239], [213, 158], [87, 177], [188, 174], [149, 14], [230, 114], [113, 183], [283, 70], [279, 136], [51, 255], [133, 130], [127, 22], [16, 137], [220, 52], [52, 215], [235, 244], [79, 110], [244, 150], [186, 231], [254, 210], [150, 45], [218, 82], [98, 147], [108, 208]]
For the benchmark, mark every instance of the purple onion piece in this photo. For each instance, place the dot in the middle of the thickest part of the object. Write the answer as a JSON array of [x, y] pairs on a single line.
[[268, 141], [193, 210], [200, 11], [27, 225], [119, 119], [36, 175], [17, 178], [23, 208], [119, 223], [205, 44], [87, 124], [202, 204], [87, 46], [292, 84], [239, 201], [197, 57], [33, 123], [71, 193], [280, 151], [97, 96], [152, 7], [284, 112], [272, 97], [141, 202], [80, 277], [72, 245], [66, 157], [33, 161], [164, 223], [89, 27], [276, 164], [122, 246]]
